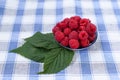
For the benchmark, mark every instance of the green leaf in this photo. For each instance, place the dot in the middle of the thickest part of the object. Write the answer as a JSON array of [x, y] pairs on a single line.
[[43, 48], [56, 60], [43, 40], [31, 52]]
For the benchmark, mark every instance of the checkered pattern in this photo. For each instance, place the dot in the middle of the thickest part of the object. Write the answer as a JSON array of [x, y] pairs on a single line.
[[22, 18]]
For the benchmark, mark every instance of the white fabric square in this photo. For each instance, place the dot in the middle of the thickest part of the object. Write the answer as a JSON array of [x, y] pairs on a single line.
[[8, 20], [21, 68], [98, 68], [105, 4], [30, 5], [114, 36], [28, 19], [47, 77], [96, 57], [20, 77], [2, 57], [5, 36], [109, 19], [116, 57], [69, 3], [48, 19], [74, 68], [73, 77], [11, 4], [49, 5], [87, 5], [101, 77], [69, 8]]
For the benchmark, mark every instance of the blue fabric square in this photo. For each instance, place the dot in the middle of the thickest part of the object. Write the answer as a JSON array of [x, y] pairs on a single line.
[[20, 12], [59, 11], [39, 11], [1, 10]]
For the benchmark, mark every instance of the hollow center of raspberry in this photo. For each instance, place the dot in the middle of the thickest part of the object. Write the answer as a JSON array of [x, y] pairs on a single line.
[[83, 35]]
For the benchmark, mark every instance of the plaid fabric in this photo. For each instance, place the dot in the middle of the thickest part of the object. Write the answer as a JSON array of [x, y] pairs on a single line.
[[22, 18]]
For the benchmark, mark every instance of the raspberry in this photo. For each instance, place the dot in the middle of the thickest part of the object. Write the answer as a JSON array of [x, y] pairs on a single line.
[[73, 35], [91, 38], [59, 36], [65, 41], [84, 43], [77, 18], [88, 29], [83, 35], [58, 24], [66, 20], [56, 29], [91, 34], [73, 24], [73, 43], [84, 22], [82, 28], [62, 25], [67, 31], [91, 28]]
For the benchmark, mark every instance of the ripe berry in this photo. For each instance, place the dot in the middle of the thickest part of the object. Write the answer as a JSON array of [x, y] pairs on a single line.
[[91, 28], [84, 22], [73, 35], [67, 31], [58, 24], [59, 36], [91, 38], [84, 43], [65, 41], [82, 28], [73, 24], [56, 29], [83, 35], [66, 20], [62, 25], [77, 18], [73, 43]]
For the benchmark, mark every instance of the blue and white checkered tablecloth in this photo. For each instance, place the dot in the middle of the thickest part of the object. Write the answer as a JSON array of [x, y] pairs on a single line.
[[22, 18]]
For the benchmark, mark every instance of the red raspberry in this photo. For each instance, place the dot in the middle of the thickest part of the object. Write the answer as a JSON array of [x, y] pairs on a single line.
[[73, 35], [82, 28], [59, 36], [85, 43], [84, 22], [58, 24], [91, 34], [62, 25], [91, 28], [67, 31], [77, 18], [66, 20], [65, 41], [73, 43], [56, 29], [91, 38], [73, 24], [83, 35]]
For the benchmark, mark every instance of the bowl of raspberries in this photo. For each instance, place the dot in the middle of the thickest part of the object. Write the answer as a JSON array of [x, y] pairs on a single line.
[[75, 33]]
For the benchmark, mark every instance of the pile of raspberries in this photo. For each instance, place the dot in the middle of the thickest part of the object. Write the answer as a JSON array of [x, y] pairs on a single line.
[[75, 32]]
